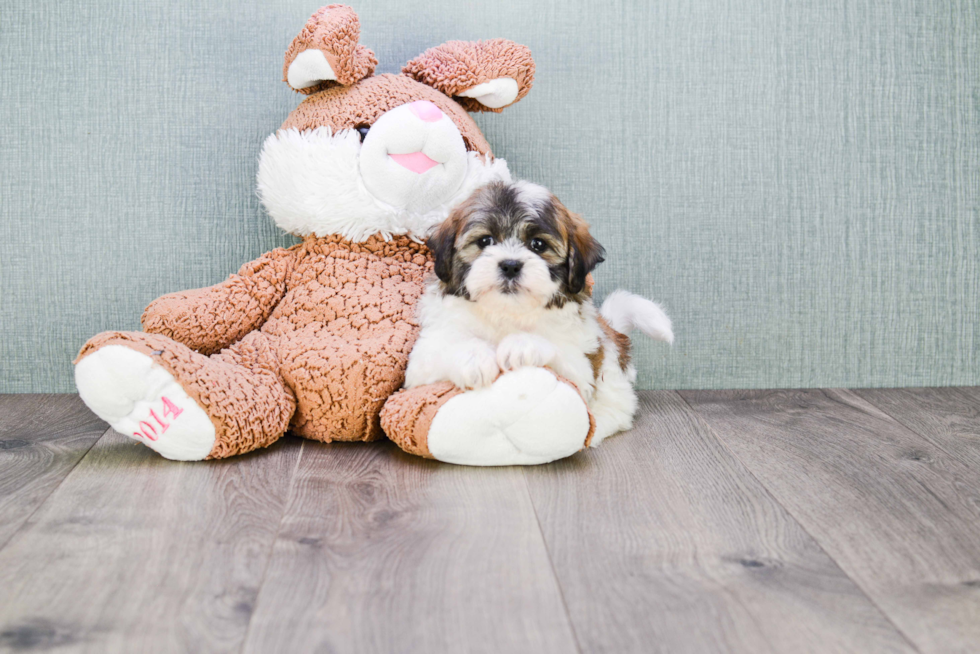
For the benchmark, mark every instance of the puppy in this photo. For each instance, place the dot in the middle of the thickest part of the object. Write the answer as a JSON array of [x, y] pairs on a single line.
[[511, 265]]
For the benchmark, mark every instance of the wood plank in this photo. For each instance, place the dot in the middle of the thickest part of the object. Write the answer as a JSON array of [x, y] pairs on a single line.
[[949, 418], [380, 551], [972, 392], [900, 515], [136, 553], [663, 542], [42, 437]]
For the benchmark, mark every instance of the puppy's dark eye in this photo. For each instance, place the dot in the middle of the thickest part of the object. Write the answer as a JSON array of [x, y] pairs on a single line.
[[485, 241], [363, 132], [538, 246]]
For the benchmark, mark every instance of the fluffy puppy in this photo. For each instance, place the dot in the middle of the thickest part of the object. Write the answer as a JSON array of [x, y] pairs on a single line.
[[511, 263]]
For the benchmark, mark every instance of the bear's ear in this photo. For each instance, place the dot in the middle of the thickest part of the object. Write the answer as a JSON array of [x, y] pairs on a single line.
[[479, 75], [326, 52]]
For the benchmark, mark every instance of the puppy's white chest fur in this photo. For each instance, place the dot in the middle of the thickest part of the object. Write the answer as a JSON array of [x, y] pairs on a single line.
[[508, 331], [497, 317]]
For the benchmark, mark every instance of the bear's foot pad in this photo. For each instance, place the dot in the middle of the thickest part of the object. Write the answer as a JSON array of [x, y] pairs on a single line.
[[140, 399], [526, 417]]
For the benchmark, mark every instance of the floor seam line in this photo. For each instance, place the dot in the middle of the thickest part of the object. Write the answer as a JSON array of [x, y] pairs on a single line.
[[551, 563], [272, 545]]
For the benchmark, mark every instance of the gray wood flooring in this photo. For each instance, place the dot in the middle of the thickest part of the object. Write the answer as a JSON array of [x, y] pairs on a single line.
[[725, 521]]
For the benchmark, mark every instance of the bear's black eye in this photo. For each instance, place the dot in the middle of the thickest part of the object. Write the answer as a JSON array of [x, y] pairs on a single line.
[[363, 132], [485, 241], [538, 246]]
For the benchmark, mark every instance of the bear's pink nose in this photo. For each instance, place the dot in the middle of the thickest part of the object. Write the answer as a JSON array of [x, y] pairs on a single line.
[[426, 111]]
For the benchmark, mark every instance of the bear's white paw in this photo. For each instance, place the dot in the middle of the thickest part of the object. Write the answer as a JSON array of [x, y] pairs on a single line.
[[519, 350], [476, 367], [143, 401], [526, 417]]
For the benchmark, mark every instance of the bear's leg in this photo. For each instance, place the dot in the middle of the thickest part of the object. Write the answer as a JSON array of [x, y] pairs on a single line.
[[182, 404], [527, 416], [341, 384]]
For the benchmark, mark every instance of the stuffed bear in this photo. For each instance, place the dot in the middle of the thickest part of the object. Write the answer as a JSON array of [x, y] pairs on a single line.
[[314, 339]]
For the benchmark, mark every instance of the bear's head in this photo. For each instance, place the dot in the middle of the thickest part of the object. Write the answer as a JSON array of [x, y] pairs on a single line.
[[385, 154]]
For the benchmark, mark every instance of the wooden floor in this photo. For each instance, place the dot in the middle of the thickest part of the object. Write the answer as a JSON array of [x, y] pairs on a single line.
[[745, 521]]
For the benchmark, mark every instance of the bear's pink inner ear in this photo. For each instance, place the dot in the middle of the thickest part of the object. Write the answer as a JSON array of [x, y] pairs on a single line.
[[326, 52], [480, 75]]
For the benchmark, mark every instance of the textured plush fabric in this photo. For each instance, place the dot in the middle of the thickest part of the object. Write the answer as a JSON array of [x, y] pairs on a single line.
[[798, 183], [340, 325], [210, 319], [407, 415], [459, 65], [333, 30]]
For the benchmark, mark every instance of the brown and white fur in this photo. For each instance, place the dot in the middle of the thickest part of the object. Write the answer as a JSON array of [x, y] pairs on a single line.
[[511, 264]]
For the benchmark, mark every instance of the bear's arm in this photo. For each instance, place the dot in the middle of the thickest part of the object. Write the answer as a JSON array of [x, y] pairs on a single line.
[[210, 319]]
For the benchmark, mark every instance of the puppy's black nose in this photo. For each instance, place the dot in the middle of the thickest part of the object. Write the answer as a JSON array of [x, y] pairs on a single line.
[[511, 268]]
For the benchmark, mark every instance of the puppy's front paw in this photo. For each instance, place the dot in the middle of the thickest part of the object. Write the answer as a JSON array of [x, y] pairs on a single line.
[[519, 350], [476, 367]]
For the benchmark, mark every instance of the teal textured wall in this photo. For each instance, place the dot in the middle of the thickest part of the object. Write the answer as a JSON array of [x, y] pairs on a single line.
[[798, 182]]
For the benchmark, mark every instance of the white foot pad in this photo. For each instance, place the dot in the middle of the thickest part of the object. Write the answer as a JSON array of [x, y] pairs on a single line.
[[525, 417], [140, 399]]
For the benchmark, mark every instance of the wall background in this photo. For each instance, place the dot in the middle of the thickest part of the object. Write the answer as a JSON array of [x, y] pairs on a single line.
[[798, 182]]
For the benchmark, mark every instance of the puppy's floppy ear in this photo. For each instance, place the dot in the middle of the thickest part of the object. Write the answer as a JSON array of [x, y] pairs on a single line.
[[326, 52], [479, 75], [442, 244], [584, 252]]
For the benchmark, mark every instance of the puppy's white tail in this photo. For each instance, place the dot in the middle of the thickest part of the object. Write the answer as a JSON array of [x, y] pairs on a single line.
[[625, 311]]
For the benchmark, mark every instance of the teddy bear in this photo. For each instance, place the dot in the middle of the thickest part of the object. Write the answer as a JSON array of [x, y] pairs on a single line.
[[314, 339]]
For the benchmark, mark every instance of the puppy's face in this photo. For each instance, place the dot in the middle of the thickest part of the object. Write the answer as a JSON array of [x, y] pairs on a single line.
[[515, 242]]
